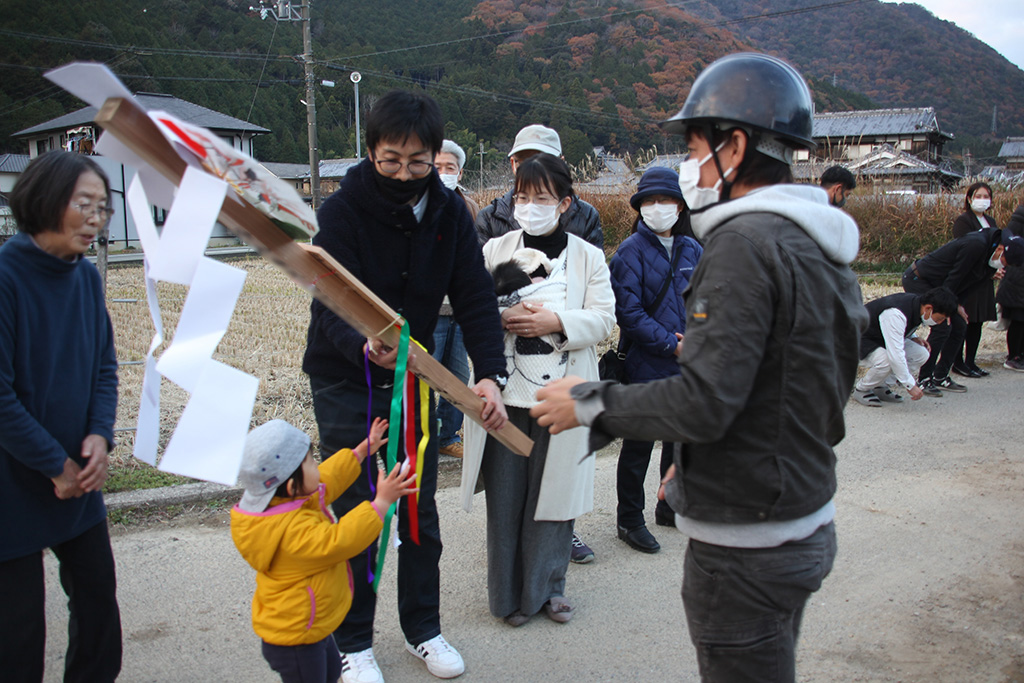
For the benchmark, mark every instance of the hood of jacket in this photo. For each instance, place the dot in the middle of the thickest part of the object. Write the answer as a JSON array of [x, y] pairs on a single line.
[[807, 206]]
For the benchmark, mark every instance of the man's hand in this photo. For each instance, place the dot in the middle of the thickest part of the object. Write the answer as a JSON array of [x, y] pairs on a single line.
[[963, 314], [65, 484], [999, 274], [94, 449], [386, 356], [915, 392], [669, 474], [557, 408], [922, 342], [493, 415]]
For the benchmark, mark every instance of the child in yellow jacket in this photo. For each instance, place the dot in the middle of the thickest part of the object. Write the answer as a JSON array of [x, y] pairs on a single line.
[[284, 528]]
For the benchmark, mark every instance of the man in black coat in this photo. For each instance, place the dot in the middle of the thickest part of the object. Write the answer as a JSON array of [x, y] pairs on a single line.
[[397, 228], [960, 266], [495, 219]]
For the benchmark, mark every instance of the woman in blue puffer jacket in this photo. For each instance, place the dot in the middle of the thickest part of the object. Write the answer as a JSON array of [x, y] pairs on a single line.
[[650, 271]]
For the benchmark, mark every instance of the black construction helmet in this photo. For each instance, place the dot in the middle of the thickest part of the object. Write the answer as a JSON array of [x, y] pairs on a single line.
[[753, 91]]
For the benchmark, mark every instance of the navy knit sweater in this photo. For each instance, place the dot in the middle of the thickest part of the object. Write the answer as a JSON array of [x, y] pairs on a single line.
[[58, 384], [411, 266]]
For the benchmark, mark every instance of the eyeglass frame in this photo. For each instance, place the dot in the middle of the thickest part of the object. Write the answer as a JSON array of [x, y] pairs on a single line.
[[106, 211], [407, 164]]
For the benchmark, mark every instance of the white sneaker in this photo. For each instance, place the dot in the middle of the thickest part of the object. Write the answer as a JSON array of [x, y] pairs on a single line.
[[442, 660], [360, 667]]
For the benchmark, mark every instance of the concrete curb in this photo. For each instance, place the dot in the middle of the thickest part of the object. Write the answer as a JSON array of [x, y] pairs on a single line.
[[199, 492]]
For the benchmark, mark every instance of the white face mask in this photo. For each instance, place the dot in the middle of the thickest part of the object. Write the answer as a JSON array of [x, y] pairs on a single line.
[[980, 205], [536, 219], [660, 217], [996, 263], [698, 198], [450, 181], [928, 322]]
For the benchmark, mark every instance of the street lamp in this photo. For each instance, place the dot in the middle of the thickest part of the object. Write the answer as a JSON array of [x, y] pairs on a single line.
[[355, 77]]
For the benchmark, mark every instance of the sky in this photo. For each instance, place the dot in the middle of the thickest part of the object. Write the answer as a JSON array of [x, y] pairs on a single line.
[[999, 23]]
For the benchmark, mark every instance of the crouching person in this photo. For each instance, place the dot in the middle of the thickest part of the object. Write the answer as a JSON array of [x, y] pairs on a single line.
[[884, 350]]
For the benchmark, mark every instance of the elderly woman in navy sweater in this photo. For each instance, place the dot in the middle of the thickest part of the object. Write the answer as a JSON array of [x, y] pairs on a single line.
[[650, 271], [58, 400]]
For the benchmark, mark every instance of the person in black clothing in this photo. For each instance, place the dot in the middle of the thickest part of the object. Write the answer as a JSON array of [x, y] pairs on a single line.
[[1010, 296], [961, 266], [890, 348], [396, 227], [496, 219], [981, 303], [838, 182]]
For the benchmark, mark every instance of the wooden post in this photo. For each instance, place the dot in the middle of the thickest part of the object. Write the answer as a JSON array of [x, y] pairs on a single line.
[[309, 267]]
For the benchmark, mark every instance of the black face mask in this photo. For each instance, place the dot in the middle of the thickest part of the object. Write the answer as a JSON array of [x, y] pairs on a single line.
[[401, 191]]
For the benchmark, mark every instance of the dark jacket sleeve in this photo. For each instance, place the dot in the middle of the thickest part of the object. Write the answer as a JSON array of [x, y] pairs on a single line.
[[959, 280], [485, 223], [699, 404], [103, 402], [332, 238], [586, 223]]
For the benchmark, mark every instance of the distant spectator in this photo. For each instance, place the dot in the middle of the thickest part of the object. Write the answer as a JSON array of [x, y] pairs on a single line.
[[1011, 296], [839, 183], [961, 266], [894, 320], [496, 219], [980, 303], [449, 348]]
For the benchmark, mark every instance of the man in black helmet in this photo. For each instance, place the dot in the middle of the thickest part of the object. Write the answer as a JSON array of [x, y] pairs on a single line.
[[768, 365]]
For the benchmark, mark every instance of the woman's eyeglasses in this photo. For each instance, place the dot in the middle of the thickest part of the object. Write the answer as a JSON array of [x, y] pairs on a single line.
[[89, 210]]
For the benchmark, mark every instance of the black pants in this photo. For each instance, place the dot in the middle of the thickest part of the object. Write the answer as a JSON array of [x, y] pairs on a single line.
[[314, 663], [946, 339], [1015, 340], [94, 624], [744, 606], [634, 458], [340, 409], [972, 340]]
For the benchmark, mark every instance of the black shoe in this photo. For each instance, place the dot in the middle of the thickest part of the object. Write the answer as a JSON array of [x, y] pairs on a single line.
[[978, 372], [581, 552], [948, 384], [929, 388], [639, 539], [962, 370], [664, 516]]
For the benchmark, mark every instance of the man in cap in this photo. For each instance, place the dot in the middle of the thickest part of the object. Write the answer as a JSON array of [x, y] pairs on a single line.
[[495, 219], [774, 318]]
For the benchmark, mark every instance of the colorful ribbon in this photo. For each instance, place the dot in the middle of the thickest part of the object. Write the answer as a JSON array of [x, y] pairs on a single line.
[[394, 433]]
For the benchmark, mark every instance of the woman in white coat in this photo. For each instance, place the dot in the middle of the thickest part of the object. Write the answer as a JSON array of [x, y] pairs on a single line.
[[531, 502]]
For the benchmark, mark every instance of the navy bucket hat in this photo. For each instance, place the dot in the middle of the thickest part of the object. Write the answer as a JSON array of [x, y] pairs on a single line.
[[658, 180]]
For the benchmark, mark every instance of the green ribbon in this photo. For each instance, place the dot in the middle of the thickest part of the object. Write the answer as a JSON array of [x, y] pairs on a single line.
[[394, 435]]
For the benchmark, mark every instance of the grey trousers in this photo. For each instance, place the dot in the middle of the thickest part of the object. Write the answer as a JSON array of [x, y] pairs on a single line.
[[526, 559]]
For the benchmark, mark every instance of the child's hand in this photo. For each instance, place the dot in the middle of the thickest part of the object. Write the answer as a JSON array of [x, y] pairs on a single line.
[[401, 482], [377, 430]]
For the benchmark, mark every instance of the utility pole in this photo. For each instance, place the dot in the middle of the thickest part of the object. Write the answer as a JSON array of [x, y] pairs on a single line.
[[481, 167], [314, 153], [285, 12]]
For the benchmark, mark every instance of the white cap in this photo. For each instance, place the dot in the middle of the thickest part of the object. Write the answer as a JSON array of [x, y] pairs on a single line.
[[273, 451], [538, 138]]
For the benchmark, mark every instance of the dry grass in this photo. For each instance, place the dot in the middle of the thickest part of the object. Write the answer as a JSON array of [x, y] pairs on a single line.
[[266, 338]]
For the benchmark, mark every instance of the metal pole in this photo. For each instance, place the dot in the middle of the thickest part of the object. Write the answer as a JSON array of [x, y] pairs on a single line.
[[355, 77], [481, 167], [307, 57]]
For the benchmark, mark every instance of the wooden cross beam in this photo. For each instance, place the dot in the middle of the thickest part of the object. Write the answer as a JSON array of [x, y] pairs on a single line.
[[308, 266]]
